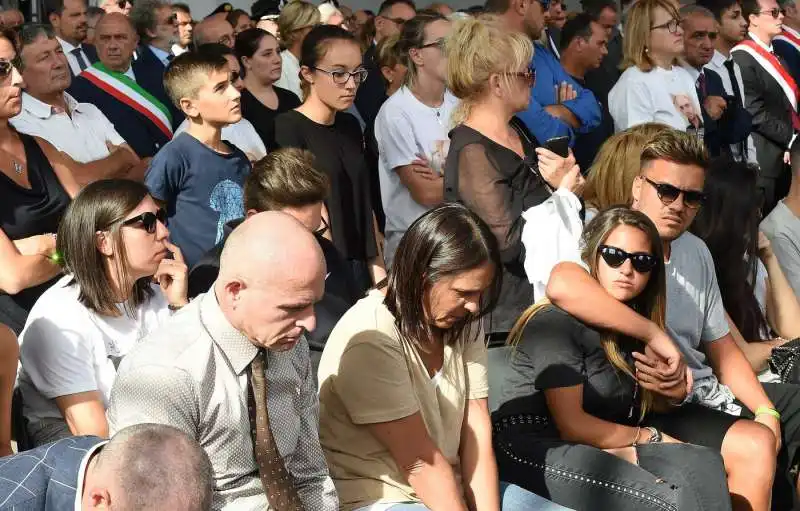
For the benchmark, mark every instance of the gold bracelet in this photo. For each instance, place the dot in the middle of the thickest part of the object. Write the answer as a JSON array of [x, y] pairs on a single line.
[[636, 438]]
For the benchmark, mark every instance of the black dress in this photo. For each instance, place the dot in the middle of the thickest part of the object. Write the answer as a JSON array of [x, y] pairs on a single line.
[[262, 117], [28, 212], [339, 152], [498, 185]]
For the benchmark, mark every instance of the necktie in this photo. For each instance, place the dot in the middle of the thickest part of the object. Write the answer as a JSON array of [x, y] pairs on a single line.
[[278, 484], [79, 56], [737, 92], [701, 87]]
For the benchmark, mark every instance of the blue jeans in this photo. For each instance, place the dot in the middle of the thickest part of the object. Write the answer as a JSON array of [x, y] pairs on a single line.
[[512, 498]]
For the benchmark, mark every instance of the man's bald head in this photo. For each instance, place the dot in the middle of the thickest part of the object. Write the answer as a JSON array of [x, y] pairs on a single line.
[[272, 272], [214, 29], [115, 40]]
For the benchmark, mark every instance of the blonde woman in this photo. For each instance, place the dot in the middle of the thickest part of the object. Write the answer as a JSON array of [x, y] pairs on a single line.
[[653, 87], [615, 167], [494, 165], [575, 420], [295, 22]]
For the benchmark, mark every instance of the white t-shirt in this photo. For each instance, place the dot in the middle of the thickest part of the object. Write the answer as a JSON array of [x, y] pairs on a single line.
[[242, 134], [667, 96], [290, 74], [404, 128], [82, 132], [66, 349]]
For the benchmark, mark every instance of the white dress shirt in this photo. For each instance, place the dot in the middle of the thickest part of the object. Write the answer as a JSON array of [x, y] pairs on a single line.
[[163, 56], [81, 132], [717, 65], [177, 49], [71, 58]]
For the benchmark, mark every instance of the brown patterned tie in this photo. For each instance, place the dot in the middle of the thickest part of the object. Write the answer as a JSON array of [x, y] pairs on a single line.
[[278, 484]]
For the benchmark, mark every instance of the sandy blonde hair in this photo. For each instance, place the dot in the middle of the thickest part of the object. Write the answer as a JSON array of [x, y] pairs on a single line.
[[295, 16], [616, 165], [638, 29], [476, 49]]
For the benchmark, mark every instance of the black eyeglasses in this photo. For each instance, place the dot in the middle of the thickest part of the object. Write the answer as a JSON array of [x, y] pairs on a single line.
[[615, 257], [340, 76], [775, 13], [528, 76], [6, 66], [149, 220], [669, 194], [671, 25], [439, 43]]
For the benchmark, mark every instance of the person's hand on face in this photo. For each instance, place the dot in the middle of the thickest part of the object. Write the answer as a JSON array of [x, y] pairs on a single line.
[[172, 277]]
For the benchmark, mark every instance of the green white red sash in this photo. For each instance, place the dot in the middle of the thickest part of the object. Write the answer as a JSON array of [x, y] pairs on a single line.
[[127, 91], [771, 65], [790, 36]]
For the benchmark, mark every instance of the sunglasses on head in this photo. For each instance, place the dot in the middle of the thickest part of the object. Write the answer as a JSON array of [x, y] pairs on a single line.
[[669, 194], [615, 257], [148, 220]]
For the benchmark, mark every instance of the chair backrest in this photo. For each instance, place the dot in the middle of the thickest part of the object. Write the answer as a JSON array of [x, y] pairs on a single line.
[[19, 426]]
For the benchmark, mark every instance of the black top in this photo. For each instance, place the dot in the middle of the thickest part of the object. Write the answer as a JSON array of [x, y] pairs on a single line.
[[557, 350], [588, 144], [372, 93], [28, 212], [339, 152], [340, 287], [262, 117], [498, 185]]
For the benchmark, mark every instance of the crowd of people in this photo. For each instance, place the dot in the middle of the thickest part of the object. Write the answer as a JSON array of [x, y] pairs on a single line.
[[304, 258]]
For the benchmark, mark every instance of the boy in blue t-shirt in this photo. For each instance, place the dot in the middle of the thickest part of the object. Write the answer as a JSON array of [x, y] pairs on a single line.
[[198, 175]]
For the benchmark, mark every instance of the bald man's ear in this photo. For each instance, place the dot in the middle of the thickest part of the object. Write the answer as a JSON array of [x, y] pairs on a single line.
[[97, 498], [233, 289]]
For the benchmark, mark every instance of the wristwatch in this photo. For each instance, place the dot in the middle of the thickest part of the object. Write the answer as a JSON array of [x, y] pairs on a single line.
[[655, 435]]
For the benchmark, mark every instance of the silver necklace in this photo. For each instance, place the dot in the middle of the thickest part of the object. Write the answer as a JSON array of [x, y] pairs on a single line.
[[17, 166]]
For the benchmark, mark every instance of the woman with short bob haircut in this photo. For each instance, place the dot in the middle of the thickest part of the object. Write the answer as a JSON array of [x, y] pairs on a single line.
[[404, 419], [114, 243], [295, 22]]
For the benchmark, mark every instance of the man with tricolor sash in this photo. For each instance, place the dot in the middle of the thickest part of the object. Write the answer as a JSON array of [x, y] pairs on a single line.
[[771, 96], [787, 43], [130, 93]]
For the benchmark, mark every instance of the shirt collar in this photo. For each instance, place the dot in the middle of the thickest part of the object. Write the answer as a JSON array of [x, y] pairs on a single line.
[[718, 60], [760, 42], [159, 53], [67, 46], [44, 110], [82, 473], [237, 348], [693, 72]]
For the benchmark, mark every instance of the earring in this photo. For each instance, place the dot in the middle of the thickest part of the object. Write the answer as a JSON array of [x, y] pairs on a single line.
[[646, 49]]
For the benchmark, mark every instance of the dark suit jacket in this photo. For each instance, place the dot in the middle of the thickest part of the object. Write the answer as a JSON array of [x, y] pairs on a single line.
[[372, 93], [735, 124], [790, 56], [149, 73], [90, 52], [340, 287], [771, 111], [138, 131], [45, 478]]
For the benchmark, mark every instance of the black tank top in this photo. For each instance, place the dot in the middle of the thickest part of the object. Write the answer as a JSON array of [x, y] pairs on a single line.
[[28, 212]]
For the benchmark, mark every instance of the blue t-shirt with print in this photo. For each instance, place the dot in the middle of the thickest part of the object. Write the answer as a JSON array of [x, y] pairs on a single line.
[[202, 190]]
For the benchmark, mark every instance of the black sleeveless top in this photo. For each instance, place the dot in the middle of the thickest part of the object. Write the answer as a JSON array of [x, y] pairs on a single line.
[[28, 212]]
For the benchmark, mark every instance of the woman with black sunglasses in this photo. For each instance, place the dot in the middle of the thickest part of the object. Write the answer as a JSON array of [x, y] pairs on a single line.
[[494, 165], [575, 420], [120, 285]]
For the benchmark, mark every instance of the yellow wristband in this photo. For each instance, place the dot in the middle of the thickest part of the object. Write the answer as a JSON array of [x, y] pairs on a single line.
[[765, 410]]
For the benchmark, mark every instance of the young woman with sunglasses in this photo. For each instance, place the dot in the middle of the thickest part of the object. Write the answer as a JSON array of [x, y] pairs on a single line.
[[574, 423], [331, 71], [652, 84], [120, 285], [494, 165], [412, 127], [756, 293]]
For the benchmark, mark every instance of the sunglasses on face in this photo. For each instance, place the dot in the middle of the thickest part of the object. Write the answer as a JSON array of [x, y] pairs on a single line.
[[439, 43], [775, 13], [615, 257], [669, 194], [340, 76], [148, 220], [397, 21], [6, 66], [528, 76]]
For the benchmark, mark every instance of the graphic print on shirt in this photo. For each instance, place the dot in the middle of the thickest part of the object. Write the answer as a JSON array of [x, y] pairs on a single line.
[[227, 199], [438, 155], [694, 118]]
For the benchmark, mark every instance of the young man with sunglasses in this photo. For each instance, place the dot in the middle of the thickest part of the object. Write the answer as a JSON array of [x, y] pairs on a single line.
[[157, 27], [669, 191], [725, 120], [770, 95]]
